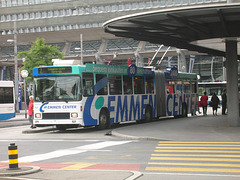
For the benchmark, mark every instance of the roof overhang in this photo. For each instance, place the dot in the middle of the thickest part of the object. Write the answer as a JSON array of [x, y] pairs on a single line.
[[203, 28]]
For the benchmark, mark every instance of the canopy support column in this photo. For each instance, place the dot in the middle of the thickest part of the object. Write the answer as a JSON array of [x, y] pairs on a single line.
[[232, 82]]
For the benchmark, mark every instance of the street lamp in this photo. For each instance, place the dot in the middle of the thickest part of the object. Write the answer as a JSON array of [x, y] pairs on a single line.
[[16, 65], [24, 74]]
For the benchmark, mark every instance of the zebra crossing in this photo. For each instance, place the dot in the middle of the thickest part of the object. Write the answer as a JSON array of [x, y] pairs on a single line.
[[199, 157]]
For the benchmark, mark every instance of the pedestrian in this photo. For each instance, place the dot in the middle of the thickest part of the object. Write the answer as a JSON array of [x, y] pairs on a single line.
[[203, 100], [214, 103], [224, 102], [31, 111]]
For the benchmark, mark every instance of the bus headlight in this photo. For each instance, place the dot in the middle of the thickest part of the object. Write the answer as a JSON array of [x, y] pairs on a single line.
[[37, 115], [74, 115]]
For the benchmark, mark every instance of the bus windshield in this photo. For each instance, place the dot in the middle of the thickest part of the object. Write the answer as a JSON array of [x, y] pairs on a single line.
[[62, 88]]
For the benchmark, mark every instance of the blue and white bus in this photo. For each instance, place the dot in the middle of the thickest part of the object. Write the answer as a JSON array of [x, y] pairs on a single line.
[[7, 100], [101, 95]]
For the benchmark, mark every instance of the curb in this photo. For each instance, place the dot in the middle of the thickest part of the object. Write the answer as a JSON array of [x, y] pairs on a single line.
[[20, 171], [113, 133]]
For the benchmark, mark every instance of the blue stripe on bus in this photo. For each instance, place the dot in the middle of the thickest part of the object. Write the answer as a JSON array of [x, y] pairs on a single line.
[[7, 116]]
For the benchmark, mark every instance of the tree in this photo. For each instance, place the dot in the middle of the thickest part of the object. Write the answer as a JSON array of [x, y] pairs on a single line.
[[39, 55]]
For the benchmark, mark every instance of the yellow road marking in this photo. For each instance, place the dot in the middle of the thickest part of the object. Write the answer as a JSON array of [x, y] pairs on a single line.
[[79, 166], [195, 164], [196, 155], [196, 148], [198, 145], [197, 151], [195, 159], [189, 142], [192, 169]]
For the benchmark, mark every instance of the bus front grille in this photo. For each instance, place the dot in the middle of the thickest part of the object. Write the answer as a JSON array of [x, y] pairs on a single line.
[[56, 115]]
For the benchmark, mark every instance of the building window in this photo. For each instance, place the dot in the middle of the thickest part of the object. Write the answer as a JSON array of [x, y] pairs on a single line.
[[148, 4], [120, 7], [37, 15], [134, 6], [67, 12], [49, 14], [155, 4], [19, 16], [43, 14], [25, 16], [127, 7], [7, 17], [100, 9], [74, 12], [60, 12], [13, 17], [107, 8], [55, 13], [114, 8]]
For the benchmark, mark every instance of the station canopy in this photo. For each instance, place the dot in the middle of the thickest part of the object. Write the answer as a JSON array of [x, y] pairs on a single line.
[[203, 28]]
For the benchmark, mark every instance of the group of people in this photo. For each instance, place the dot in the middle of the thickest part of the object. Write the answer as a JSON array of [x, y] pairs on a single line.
[[214, 103]]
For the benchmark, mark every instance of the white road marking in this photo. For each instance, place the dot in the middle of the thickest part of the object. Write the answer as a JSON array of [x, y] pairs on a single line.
[[71, 151]]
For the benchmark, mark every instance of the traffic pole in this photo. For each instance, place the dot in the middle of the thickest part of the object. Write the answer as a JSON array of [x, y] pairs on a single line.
[[13, 156]]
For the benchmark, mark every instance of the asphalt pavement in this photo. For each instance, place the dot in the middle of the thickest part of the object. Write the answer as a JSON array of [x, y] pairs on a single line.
[[194, 128]]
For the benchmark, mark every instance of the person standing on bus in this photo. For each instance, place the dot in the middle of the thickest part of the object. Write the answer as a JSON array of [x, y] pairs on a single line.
[[204, 99], [214, 103], [30, 111], [224, 102]]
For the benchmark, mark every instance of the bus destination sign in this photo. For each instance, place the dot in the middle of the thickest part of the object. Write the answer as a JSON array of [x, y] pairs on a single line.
[[54, 70]]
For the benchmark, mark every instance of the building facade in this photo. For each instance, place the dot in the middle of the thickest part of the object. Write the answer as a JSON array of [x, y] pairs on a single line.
[[62, 22]]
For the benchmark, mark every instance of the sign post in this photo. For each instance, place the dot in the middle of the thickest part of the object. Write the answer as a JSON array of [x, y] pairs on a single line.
[[24, 74]]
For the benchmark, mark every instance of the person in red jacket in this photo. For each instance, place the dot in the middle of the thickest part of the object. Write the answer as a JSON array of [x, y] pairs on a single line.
[[30, 111], [204, 99]]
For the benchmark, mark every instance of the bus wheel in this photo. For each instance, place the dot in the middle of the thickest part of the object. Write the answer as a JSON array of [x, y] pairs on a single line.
[[184, 110], [103, 120], [148, 114], [61, 127]]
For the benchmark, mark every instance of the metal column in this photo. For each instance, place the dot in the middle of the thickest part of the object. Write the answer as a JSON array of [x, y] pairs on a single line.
[[232, 82]]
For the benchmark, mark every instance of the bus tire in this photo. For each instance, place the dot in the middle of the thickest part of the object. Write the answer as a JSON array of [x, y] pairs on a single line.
[[184, 110], [103, 120], [148, 114], [61, 127]]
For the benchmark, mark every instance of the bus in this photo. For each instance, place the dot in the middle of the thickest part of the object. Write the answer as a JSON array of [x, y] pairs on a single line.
[[102, 95], [210, 88], [7, 100]]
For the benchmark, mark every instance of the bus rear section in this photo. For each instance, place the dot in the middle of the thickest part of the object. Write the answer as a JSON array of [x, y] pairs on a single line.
[[7, 100], [176, 96]]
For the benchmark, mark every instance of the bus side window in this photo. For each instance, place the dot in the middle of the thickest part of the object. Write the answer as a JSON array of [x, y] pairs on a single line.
[[103, 78], [186, 86], [149, 84], [6, 95], [170, 86], [194, 88], [88, 84], [127, 85], [115, 84], [179, 86], [139, 85]]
